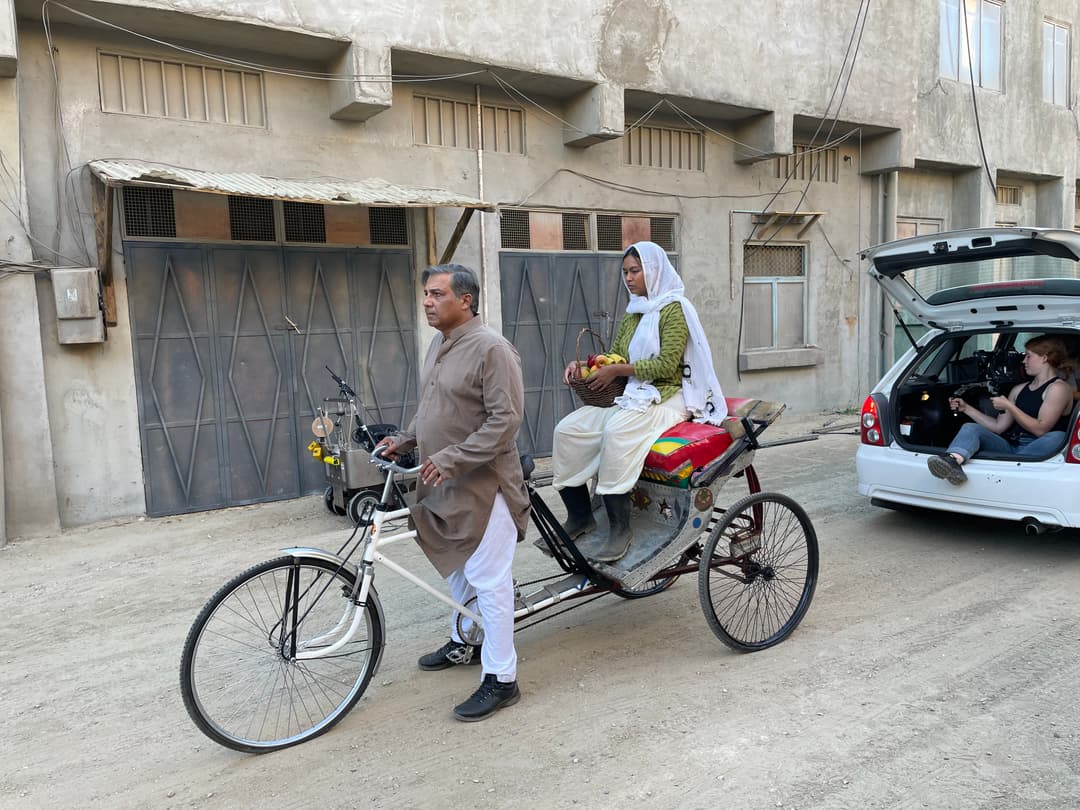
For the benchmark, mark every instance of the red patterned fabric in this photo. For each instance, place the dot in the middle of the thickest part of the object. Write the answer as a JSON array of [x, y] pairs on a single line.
[[686, 446], [689, 445]]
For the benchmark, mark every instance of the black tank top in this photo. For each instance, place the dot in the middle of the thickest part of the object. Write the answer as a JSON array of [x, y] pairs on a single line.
[[1030, 401]]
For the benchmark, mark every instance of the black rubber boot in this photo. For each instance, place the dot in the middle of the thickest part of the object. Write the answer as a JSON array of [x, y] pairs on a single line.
[[620, 533], [579, 515]]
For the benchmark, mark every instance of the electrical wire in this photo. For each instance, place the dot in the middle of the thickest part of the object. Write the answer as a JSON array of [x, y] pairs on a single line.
[[863, 13], [975, 103], [303, 74], [64, 154], [638, 190], [858, 26], [242, 63]]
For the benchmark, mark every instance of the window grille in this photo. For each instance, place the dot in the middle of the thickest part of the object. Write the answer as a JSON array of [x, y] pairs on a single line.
[[149, 212], [662, 231], [388, 226], [514, 229], [251, 219], [608, 232], [138, 85], [1009, 195], [773, 260], [810, 163], [304, 222], [774, 300], [447, 122], [575, 231], [665, 148]]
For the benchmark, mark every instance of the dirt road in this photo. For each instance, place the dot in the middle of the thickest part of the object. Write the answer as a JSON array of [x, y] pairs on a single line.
[[936, 668]]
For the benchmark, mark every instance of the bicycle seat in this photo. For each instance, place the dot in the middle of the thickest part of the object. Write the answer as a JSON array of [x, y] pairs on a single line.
[[527, 466]]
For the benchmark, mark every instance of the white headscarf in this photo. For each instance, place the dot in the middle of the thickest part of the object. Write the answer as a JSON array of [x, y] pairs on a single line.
[[701, 390]]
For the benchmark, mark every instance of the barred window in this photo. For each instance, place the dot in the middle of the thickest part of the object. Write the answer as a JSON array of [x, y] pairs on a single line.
[[810, 163], [139, 85], [665, 148], [447, 122], [1009, 195]]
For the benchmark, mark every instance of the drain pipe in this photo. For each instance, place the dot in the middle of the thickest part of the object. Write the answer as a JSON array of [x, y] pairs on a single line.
[[480, 193]]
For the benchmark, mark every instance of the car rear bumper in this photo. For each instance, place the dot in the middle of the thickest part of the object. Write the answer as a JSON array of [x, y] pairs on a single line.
[[1008, 490]]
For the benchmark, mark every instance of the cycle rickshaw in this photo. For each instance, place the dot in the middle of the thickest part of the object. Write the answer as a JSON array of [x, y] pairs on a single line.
[[284, 650]]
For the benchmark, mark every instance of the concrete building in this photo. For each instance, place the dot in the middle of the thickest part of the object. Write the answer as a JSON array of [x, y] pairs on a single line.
[[763, 143]]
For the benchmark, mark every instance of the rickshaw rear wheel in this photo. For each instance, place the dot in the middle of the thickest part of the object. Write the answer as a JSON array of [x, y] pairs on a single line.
[[758, 571]]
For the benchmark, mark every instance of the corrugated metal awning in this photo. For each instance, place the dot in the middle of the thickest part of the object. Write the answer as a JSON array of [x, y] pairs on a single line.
[[371, 191]]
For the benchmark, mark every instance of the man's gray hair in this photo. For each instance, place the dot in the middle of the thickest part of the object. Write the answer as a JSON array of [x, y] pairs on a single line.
[[462, 280]]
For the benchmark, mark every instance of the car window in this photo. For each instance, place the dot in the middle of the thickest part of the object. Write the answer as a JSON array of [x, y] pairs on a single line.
[[978, 343], [987, 278]]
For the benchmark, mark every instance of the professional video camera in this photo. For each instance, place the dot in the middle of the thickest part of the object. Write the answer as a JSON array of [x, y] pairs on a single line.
[[997, 372]]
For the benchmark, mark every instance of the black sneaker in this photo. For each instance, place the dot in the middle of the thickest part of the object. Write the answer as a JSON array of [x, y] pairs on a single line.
[[488, 699], [448, 655], [947, 467]]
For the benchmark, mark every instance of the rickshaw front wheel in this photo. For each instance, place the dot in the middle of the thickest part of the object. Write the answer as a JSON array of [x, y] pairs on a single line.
[[758, 571]]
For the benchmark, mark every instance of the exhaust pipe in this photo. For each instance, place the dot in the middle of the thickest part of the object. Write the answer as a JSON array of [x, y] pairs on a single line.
[[1033, 526]]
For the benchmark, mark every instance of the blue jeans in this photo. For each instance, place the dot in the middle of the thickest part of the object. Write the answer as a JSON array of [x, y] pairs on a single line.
[[973, 437]]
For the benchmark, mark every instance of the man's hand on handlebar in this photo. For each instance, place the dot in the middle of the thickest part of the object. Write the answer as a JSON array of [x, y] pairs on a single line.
[[388, 449], [430, 474], [391, 449]]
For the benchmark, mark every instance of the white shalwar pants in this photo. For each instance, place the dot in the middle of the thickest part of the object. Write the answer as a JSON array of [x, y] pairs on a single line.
[[488, 575], [610, 443]]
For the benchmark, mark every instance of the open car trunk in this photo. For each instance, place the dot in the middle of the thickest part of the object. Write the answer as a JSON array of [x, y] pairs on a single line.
[[974, 365]]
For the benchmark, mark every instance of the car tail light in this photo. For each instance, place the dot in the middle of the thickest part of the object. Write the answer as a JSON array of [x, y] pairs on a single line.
[[870, 424], [1072, 452]]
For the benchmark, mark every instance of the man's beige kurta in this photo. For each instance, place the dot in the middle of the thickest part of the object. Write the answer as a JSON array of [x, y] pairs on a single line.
[[471, 404]]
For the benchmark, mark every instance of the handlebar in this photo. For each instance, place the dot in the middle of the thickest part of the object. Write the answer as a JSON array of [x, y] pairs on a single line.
[[344, 386], [383, 463]]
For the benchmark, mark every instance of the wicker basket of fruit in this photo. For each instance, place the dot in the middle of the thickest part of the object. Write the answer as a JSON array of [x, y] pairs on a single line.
[[604, 396]]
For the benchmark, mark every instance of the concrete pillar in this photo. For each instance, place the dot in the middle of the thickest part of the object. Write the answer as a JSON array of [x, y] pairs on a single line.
[[974, 202], [26, 471], [360, 99], [1053, 204], [598, 115]]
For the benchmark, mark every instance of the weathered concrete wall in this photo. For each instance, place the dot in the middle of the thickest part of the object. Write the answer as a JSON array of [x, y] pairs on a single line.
[[28, 504], [777, 60]]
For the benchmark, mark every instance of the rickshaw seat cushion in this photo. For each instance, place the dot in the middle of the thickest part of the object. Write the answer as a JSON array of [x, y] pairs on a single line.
[[688, 445], [682, 449]]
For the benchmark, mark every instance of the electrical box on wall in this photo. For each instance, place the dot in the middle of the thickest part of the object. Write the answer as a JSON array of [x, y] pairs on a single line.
[[77, 291]]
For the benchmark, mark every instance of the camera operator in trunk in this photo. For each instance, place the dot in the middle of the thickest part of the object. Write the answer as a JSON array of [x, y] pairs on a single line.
[[1031, 420]]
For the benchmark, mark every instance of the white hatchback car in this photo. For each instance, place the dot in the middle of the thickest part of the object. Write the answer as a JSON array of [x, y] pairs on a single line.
[[978, 295]]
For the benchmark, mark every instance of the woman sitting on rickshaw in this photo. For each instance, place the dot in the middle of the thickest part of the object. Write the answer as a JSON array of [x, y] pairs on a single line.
[[671, 379]]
